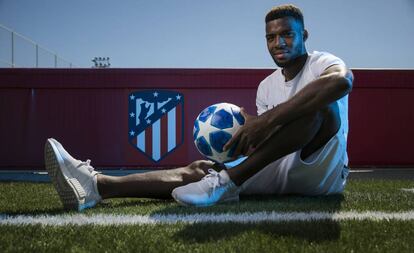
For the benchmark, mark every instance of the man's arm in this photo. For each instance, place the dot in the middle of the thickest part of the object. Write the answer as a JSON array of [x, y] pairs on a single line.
[[334, 83]]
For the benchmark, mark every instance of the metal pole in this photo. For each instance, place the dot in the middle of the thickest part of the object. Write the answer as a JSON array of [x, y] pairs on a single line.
[[12, 49], [13, 35], [37, 56]]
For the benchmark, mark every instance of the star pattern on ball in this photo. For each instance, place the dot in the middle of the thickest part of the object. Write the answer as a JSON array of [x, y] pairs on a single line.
[[208, 131]]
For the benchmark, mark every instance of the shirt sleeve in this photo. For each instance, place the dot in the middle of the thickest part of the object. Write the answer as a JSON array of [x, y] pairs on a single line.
[[260, 100], [323, 61]]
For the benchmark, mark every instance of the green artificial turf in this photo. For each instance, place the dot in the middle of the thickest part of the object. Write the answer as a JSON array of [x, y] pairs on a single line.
[[321, 236], [311, 236], [360, 195]]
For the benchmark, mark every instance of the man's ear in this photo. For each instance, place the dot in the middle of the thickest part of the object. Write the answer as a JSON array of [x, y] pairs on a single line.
[[305, 35]]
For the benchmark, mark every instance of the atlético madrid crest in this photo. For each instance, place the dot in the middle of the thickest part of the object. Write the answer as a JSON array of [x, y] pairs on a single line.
[[156, 122]]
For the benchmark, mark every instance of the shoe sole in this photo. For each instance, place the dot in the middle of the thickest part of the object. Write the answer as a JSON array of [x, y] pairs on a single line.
[[226, 201], [68, 189]]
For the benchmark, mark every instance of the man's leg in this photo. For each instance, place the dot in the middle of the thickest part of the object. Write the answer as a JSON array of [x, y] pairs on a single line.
[[79, 186], [154, 184], [308, 133]]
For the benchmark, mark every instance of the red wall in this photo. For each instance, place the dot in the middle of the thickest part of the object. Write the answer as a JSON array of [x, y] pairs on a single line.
[[87, 110]]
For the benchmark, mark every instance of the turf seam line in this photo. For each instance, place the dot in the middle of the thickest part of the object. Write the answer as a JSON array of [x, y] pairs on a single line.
[[257, 217]]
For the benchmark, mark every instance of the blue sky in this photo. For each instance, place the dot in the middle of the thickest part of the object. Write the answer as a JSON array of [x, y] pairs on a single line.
[[209, 34]]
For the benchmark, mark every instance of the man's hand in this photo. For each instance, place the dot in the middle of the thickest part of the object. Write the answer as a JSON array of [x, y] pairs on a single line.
[[249, 136]]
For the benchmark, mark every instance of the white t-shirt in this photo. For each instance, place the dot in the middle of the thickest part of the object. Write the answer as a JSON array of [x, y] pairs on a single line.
[[321, 173], [274, 90]]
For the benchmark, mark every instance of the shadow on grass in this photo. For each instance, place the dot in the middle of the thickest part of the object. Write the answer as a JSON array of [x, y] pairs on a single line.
[[43, 200], [264, 203], [131, 202], [37, 211], [313, 231]]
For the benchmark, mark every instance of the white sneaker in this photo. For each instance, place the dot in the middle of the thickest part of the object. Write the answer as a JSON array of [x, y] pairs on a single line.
[[74, 180], [214, 188]]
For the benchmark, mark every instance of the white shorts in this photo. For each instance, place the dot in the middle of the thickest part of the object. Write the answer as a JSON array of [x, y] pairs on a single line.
[[322, 173]]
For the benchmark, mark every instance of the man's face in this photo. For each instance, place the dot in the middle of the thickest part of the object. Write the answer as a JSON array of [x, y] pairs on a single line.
[[285, 40]]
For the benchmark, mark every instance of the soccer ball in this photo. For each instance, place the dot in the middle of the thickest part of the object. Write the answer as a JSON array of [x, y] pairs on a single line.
[[213, 127]]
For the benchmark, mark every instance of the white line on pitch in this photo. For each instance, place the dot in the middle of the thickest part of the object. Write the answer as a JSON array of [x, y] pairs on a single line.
[[407, 190], [361, 171], [110, 219]]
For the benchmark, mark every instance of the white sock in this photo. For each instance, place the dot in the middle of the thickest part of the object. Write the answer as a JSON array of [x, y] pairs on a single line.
[[224, 177]]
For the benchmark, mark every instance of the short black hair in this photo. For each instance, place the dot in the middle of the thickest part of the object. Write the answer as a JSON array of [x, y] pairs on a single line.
[[286, 10]]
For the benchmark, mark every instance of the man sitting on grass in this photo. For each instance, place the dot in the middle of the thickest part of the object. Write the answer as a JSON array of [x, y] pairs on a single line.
[[297, 144]]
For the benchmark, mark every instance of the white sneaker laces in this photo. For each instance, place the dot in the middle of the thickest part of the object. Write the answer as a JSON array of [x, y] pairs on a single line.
[[87, 163], [212, 179]]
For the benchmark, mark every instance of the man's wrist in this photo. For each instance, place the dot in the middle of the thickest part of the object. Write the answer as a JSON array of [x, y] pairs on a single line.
[[269, 119]]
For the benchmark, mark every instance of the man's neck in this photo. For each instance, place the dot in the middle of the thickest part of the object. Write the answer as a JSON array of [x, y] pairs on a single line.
[[291, 71]]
